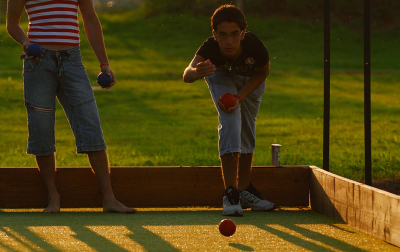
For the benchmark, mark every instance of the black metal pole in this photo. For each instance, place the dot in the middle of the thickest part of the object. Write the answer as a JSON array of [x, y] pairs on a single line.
[[367, 90], [327, 74]]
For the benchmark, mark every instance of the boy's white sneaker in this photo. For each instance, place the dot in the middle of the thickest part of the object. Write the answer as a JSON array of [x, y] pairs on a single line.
[[252, 198], [231, 203]]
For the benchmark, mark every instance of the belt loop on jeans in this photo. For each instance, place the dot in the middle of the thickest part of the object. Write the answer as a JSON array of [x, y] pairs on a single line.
[[59, 60]]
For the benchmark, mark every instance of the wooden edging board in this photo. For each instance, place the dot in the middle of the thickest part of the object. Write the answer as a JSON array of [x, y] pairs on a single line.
[[150, 186], [366, 208]]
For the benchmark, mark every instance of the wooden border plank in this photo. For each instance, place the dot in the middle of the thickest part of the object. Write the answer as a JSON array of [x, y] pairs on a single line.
[[341, 200], [381, 215], [317, 192], [285, 186], [351, 209], [366, 208], [150, 186], [329, 188], [394, 227], [77, 187], [21, 184], [168, 186]]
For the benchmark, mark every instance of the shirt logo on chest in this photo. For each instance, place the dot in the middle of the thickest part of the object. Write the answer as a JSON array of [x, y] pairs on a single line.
[[250, 61]]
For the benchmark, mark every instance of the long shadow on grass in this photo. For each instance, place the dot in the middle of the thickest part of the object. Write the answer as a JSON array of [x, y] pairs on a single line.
[[78, 223], [241, 247], [290, 220], [310, 245], [24, 238], [19, 227]]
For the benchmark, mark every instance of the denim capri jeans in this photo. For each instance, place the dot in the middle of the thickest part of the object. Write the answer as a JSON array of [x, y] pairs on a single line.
[[236, 130], [61, 75]]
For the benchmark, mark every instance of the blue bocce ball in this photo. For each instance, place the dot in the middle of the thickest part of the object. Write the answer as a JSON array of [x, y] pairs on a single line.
[[34, 50], [104, 80]]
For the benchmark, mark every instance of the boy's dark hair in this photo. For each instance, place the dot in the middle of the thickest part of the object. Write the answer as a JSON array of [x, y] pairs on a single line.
[[228, 13]]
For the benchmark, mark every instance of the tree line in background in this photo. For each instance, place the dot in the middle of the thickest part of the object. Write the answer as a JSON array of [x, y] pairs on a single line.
[[384, 13]]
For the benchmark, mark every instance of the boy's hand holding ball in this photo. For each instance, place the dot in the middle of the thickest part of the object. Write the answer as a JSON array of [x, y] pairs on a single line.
[[227, 102]]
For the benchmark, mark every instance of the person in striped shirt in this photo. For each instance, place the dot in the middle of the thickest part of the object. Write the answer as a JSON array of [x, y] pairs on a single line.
[[59, 73]]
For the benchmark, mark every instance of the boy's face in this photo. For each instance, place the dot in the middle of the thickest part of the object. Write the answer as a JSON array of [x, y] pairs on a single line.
[[229, 35]]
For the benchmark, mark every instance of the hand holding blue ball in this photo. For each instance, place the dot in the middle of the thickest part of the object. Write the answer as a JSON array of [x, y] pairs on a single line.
[[34, 50], [104, 80]]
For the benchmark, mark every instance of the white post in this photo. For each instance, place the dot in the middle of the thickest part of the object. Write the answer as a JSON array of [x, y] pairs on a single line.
[[276, 157]]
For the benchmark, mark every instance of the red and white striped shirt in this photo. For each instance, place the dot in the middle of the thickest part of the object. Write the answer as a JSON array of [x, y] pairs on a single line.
[[53, 22]]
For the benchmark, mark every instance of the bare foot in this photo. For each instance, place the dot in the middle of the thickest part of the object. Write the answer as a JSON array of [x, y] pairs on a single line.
[[114, 206], [54, 204]]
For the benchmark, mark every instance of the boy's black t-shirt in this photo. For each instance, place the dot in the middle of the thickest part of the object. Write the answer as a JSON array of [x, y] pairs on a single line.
[[254, 55]]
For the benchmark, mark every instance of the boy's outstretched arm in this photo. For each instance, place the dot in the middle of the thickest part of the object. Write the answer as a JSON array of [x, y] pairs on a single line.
[[197, 69]]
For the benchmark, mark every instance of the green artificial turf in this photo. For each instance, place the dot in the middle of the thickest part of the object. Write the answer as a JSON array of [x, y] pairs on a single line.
[[179, 229]]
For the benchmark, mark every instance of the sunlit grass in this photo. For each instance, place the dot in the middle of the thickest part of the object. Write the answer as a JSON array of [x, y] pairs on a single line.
[[179, 229], [152, 118]]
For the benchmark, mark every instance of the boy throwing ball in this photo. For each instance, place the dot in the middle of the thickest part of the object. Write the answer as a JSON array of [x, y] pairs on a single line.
[[234, 61]]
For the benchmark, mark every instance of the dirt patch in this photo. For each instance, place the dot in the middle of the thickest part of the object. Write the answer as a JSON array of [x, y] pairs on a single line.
[[391, 185]]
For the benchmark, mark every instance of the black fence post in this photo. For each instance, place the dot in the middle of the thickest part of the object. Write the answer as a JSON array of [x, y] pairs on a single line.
[[367, 90], [327, 74]]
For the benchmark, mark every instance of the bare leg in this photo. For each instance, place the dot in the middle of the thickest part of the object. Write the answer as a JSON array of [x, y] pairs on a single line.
[[47, 167], [245, 165], [229, 163], [99, 162]]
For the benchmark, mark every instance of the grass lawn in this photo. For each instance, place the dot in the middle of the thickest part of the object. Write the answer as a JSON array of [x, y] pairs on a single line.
[[152, 118], [180, 229]]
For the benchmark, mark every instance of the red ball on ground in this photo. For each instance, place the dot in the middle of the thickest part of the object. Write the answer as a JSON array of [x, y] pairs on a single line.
[[227, 227], [228, 100]]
